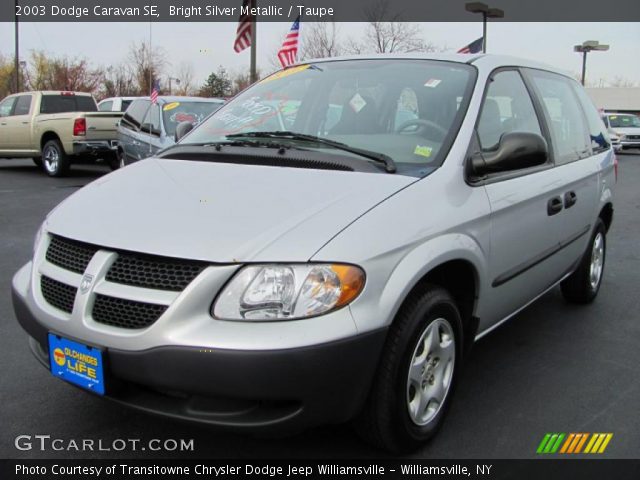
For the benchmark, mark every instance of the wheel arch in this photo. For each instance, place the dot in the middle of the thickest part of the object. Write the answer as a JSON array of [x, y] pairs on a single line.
[[47, 136], [453, 262], [606, 214]]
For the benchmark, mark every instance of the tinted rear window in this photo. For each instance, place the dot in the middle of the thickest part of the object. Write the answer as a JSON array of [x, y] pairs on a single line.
[[67, 103]]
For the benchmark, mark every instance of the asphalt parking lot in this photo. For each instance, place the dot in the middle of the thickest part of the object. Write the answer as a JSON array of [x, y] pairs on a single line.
[[555, 367]]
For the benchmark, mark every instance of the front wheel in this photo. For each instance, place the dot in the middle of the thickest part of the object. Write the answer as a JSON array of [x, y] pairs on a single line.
[[117, 160], [583, 285], [417, 373], [54, 160]]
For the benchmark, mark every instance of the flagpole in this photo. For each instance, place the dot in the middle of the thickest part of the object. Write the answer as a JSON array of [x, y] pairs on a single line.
[[150, 73], [254, 40]]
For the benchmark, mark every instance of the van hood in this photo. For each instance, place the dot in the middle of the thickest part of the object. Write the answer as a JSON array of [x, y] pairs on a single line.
[[220, 212], [627, 130]]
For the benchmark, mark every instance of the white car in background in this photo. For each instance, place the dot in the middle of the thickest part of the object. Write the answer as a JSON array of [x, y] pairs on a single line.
[[624, 130], [115, 104]]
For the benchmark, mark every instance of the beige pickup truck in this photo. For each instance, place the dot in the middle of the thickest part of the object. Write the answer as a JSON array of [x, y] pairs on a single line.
[[57, 128]]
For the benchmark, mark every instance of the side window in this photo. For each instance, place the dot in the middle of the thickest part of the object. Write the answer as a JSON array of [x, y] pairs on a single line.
[[23, 105], [564, 115], [151, 122], [597, 130], [105, 106], [135, 114], [507, 108], [6, 106]]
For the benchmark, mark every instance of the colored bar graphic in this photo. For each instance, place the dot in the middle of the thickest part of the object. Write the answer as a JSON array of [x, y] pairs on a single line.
[[573, 443]]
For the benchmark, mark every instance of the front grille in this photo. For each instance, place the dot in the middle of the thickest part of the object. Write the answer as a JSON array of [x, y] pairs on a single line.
[[119, 312], [633, 137], [58, 294], [154, 272], [69, 254]]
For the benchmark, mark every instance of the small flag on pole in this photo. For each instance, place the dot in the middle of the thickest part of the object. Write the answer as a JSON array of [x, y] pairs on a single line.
[[473, 47], [243, 33], [288, 53], [155, 92]]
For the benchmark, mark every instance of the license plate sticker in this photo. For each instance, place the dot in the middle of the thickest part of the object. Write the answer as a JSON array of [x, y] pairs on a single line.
[[76, 363]]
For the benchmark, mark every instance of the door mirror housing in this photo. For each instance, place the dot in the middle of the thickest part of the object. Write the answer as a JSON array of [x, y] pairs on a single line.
[[182, 129], [515, 151]]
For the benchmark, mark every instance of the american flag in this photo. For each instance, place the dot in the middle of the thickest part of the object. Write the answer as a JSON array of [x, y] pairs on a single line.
[[243, 33], [155, 92], [473, 47], [288, 53]]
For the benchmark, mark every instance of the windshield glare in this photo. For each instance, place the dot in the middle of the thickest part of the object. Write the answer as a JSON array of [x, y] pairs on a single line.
[[402, 108], [194, 112]]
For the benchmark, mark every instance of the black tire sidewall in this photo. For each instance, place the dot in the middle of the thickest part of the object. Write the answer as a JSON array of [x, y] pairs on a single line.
[[600, 228], [450, 313]]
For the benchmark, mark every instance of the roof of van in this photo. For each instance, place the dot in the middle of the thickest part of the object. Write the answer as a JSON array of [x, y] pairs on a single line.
[[481, 60]]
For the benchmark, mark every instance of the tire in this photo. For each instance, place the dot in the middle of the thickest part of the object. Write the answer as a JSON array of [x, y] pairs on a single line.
[[37, 161], [392, 418], [117, 160], [55, 161], [583, 284]]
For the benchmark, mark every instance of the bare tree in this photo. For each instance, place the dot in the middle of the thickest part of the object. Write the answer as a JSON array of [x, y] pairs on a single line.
[[185, 76], [622, 82], [118, 82], [62, 73], [147, 65], [388, 33], [320, 40]]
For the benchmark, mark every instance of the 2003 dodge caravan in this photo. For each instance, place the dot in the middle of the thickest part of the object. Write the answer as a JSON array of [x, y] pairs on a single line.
[[327, 245]]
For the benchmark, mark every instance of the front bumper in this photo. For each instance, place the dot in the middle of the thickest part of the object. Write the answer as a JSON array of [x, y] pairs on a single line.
[[281, 390]]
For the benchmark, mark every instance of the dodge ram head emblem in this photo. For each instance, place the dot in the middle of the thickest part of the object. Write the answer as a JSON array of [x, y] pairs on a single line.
[[85, 285]]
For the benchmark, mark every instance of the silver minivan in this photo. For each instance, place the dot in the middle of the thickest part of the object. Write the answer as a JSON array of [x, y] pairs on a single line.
[[147, 127], [267, 274]]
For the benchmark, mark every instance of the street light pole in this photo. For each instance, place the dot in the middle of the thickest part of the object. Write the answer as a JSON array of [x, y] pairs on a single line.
[[16, 66], [586, 47], [487, 12]]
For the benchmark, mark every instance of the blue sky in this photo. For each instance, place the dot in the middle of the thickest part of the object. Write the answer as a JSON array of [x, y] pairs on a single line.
[[206, 45]]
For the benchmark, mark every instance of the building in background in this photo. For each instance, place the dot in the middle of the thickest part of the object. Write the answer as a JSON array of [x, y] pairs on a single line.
[[616, 99]]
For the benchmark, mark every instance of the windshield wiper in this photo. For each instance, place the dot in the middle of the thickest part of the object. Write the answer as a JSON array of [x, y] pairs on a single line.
[[390, 165]]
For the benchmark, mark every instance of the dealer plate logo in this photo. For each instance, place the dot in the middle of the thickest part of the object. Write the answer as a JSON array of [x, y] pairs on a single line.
[[85, 285]]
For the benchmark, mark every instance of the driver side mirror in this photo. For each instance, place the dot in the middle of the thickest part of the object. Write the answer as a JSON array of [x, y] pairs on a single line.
[[515, 151], [182, 129]]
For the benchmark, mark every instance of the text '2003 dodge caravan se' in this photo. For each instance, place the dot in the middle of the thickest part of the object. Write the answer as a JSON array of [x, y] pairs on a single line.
[[327, 245]]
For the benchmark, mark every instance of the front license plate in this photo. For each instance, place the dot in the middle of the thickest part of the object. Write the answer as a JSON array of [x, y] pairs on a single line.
[[76, 363]]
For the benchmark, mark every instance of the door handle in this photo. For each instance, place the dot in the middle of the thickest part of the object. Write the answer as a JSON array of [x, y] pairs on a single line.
[[25, 123], [554, 206], [570, 199]]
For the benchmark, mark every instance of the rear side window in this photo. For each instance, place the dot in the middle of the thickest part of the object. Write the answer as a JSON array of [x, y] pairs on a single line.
[[507, 108], [67, 103], [564, 115], [135, 114], [597, 131], [23, 105], [106, 106]]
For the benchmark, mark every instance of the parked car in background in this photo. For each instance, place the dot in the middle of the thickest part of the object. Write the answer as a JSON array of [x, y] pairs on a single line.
[[56, 128], [147, 128], [624, 130], [258, 280], [115, 104]]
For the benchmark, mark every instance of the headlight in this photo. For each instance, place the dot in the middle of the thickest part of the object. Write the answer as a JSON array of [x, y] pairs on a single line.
[[622, 136], [288, 292]]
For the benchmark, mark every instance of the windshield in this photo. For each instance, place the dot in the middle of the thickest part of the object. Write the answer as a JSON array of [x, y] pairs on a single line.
[[195, 112], [405, 109], [624, 121]]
